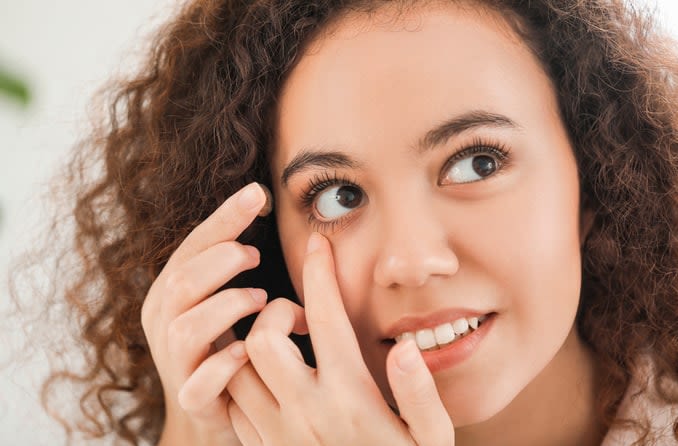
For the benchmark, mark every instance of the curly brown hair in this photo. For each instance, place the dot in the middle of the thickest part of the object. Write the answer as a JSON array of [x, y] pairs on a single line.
[[195, 124]]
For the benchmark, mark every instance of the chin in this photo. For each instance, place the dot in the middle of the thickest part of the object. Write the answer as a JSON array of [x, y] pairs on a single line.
[[469, 408], [468, 416]]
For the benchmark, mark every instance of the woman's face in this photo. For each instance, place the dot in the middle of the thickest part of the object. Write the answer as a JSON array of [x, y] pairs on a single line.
[[430, 152]]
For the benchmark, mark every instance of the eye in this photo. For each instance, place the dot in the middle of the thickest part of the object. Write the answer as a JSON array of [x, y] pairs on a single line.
[[473, 164], [336, 201]]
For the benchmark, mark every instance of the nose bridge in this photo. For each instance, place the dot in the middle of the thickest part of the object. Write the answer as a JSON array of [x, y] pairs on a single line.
[[413, 240]]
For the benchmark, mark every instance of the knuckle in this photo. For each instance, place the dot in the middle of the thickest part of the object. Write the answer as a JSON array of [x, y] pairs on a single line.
[[223, 361], [281, 306], [145, 316], [180, 332], [186, 398], [276, 314], [237, 253], [239, 301], [178, 284], [257, 342], [281, 302], [149, 307]]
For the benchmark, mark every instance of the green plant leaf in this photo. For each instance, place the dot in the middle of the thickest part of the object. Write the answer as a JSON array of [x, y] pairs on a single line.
[[14, 88]]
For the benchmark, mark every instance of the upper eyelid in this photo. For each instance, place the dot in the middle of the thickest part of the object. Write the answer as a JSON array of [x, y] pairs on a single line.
[[308, 194], [441, 135], [462, 150], [500, 150]]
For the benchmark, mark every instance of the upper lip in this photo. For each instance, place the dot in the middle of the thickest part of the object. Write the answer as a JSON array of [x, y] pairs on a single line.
[[413, 323]]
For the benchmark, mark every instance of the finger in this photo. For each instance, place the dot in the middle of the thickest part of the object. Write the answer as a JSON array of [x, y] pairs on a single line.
[[226, 223], [334, 342], [417, 397], [276, 359], [184, 286], [281, 315], [190, 335], [245, 431], [205, 386], [179, 287], [253, 397]]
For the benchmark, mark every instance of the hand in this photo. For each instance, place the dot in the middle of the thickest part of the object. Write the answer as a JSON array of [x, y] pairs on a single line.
[[279, 400], [182, 317]]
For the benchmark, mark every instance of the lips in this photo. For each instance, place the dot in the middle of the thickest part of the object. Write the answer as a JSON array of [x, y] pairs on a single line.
[[412, 324], [444, 334]]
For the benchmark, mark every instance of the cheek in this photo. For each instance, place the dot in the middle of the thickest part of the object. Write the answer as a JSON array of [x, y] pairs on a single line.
[[354, 275], [535, 253], [350, 260], [293, 243]]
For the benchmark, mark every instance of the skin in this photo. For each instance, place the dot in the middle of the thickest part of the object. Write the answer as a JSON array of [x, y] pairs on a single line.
[[181, 323], [417, 243], [509, 243]]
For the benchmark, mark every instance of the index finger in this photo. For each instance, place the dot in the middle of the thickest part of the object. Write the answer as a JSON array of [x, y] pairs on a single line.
[[334, 342], [226, 223]]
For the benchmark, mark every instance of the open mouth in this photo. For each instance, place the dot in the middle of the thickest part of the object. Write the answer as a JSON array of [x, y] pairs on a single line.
[[435, 338]]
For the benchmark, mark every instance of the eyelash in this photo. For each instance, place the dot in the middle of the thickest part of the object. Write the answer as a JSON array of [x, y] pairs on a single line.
[[316, 185], [479, 145], [325, 180]]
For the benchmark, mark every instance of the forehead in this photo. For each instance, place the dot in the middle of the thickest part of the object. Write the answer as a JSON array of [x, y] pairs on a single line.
[[388, 76]]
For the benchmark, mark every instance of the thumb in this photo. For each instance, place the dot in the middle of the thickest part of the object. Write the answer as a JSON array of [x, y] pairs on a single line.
[[417, 397]]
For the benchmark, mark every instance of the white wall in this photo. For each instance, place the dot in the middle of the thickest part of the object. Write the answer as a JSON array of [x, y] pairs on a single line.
[[67, 49]]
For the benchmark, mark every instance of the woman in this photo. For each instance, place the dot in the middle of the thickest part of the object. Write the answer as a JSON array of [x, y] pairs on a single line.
[[494, 183]]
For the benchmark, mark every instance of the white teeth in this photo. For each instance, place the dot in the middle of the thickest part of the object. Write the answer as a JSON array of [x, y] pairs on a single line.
[[406, 335], [444, 333], [460, 326], [425, 339]]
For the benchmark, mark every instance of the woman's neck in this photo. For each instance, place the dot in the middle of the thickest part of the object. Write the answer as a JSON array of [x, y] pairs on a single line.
[[556, 408]]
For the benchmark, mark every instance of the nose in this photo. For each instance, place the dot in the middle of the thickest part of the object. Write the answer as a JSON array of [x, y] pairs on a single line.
[[414, 247]]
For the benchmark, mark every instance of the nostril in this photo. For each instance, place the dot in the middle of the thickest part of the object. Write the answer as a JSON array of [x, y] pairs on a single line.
[[414, 268]]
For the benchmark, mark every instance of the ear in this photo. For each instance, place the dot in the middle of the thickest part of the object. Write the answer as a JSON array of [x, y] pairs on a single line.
[[586, 218]]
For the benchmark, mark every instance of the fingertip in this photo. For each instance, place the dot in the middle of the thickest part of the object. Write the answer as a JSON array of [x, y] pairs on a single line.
[[252, 252], [183, 399], [251, 196], [237, 350], [315, 243], [416, 395], [407, 357], [268, 205]]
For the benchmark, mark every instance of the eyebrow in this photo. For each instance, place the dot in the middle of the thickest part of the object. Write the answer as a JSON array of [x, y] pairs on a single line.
[[309, 158]]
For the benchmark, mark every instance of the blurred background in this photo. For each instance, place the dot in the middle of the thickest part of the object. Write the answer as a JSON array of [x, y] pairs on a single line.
[[53, 56]]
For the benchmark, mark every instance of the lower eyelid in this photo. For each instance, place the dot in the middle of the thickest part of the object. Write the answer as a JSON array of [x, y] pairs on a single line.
[[341, 221]]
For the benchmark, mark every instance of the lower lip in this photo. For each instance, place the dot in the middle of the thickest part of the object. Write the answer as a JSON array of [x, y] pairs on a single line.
[[458, 351]]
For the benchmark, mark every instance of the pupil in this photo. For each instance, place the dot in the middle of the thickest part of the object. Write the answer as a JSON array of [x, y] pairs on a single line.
[[348, 196], [484, 165]]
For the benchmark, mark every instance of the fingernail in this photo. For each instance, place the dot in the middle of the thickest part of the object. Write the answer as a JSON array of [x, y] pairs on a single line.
[[408, 358], [313, 243], [250, 197], [268, 206], [258, 295], [237, 350]]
